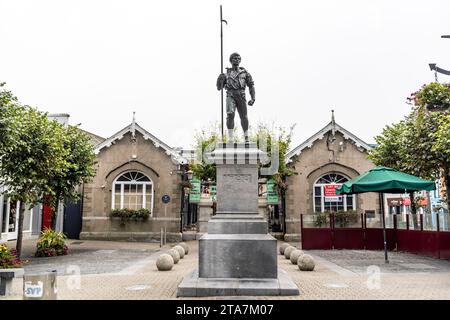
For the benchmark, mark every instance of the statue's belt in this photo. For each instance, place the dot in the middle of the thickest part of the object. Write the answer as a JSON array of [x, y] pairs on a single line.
[[239, 91]]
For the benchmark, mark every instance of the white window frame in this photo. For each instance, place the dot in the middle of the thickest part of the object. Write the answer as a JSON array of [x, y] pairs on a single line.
[[13, 234], [322, 194], [133, 182], [6, 233]]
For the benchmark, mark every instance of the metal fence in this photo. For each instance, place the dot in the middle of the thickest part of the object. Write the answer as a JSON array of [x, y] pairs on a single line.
[[427, 234]]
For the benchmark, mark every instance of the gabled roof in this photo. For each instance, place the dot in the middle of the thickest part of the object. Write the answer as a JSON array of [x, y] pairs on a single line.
[[95, 139], [132, 128], [334, 127]]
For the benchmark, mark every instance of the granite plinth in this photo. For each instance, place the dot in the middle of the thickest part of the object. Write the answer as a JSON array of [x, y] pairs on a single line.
[[237, 256], [237, 224], [237, 188]]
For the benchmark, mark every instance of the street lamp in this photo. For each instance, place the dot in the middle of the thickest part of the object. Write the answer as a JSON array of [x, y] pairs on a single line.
[[435, 68], [186, 175]]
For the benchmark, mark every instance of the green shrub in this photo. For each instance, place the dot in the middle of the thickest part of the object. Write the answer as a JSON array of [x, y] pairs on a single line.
[[345, 218], [51, 243], [129, 214], [8, 258], [321, 219]]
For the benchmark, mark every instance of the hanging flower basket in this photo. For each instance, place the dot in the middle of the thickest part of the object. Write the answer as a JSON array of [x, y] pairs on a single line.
[[434, 97]]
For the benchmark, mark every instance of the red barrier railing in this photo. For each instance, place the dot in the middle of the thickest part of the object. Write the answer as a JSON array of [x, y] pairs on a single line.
[[413, 239]]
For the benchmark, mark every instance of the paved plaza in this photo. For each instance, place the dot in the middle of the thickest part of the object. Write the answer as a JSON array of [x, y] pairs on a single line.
[[127, 270]]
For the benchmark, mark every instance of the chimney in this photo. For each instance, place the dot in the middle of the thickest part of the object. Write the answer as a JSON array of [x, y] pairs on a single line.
[[62, 118]]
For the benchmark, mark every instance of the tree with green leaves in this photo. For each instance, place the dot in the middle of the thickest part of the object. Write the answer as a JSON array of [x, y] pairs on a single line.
[[39, 157], [391, 147], [77, 168], [420, 144], [205, 141], [271, 135], [275, 139], [441, 147]]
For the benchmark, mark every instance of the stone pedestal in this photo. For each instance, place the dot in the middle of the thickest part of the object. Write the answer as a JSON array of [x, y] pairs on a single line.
[[237, 256], [204, 214], [262, 207]]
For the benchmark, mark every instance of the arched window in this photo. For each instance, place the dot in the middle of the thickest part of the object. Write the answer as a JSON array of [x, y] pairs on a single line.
[[132, 190], [325, 197]]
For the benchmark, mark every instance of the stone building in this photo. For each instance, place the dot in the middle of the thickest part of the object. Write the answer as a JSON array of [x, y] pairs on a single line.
[[134, 170], [331, 156]]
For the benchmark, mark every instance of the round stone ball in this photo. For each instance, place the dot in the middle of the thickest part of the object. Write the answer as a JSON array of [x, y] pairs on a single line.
[[175, 255], [295, 255], [164, 262], [283, 247], [288, 251], [180, 251], [306, 263], [185, 247]]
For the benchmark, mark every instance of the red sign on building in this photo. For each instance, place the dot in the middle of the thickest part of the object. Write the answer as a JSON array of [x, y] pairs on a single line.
[[330, 193]]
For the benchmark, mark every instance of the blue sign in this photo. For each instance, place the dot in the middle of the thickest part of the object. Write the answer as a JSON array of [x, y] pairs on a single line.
[[165, 198]]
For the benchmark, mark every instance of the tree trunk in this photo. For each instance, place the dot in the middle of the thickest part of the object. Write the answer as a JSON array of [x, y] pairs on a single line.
[[413, 204], [282, 210], [20, 229], [55, 207], [447, 185]]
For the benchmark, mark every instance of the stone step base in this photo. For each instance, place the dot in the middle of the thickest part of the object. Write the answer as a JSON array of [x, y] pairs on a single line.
[[193, 286], [237, 215]]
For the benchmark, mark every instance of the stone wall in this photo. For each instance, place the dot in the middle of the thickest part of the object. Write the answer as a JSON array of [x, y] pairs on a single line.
[[312, 163], [125, 155]]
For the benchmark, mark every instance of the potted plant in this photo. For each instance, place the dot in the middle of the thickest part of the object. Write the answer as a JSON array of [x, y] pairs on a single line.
[[10, 266], [51, 243]]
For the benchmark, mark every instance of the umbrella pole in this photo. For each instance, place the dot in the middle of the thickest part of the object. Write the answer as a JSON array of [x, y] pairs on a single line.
[[386, 260]]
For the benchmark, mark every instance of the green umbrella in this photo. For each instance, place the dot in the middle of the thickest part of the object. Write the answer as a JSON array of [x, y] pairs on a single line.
[[385, 180]]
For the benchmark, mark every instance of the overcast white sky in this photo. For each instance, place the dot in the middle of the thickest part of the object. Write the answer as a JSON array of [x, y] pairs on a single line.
[[101, 60]]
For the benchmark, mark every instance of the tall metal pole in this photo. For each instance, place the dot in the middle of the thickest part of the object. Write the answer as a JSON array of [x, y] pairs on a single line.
[[386, 260], [221, 69]]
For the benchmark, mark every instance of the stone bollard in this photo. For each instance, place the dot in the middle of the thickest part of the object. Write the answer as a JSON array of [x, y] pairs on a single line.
[[185, 247], [175, 255], [288, 251], [164, 262], [180, 251], [40, 286], [295, 255], [283, 247], [306, 263]]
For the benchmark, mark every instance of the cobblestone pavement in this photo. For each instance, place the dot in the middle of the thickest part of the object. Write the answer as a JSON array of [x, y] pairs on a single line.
[[123, 270]]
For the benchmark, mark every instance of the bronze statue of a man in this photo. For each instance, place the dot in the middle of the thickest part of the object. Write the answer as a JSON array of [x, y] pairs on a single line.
[[234, 81]]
